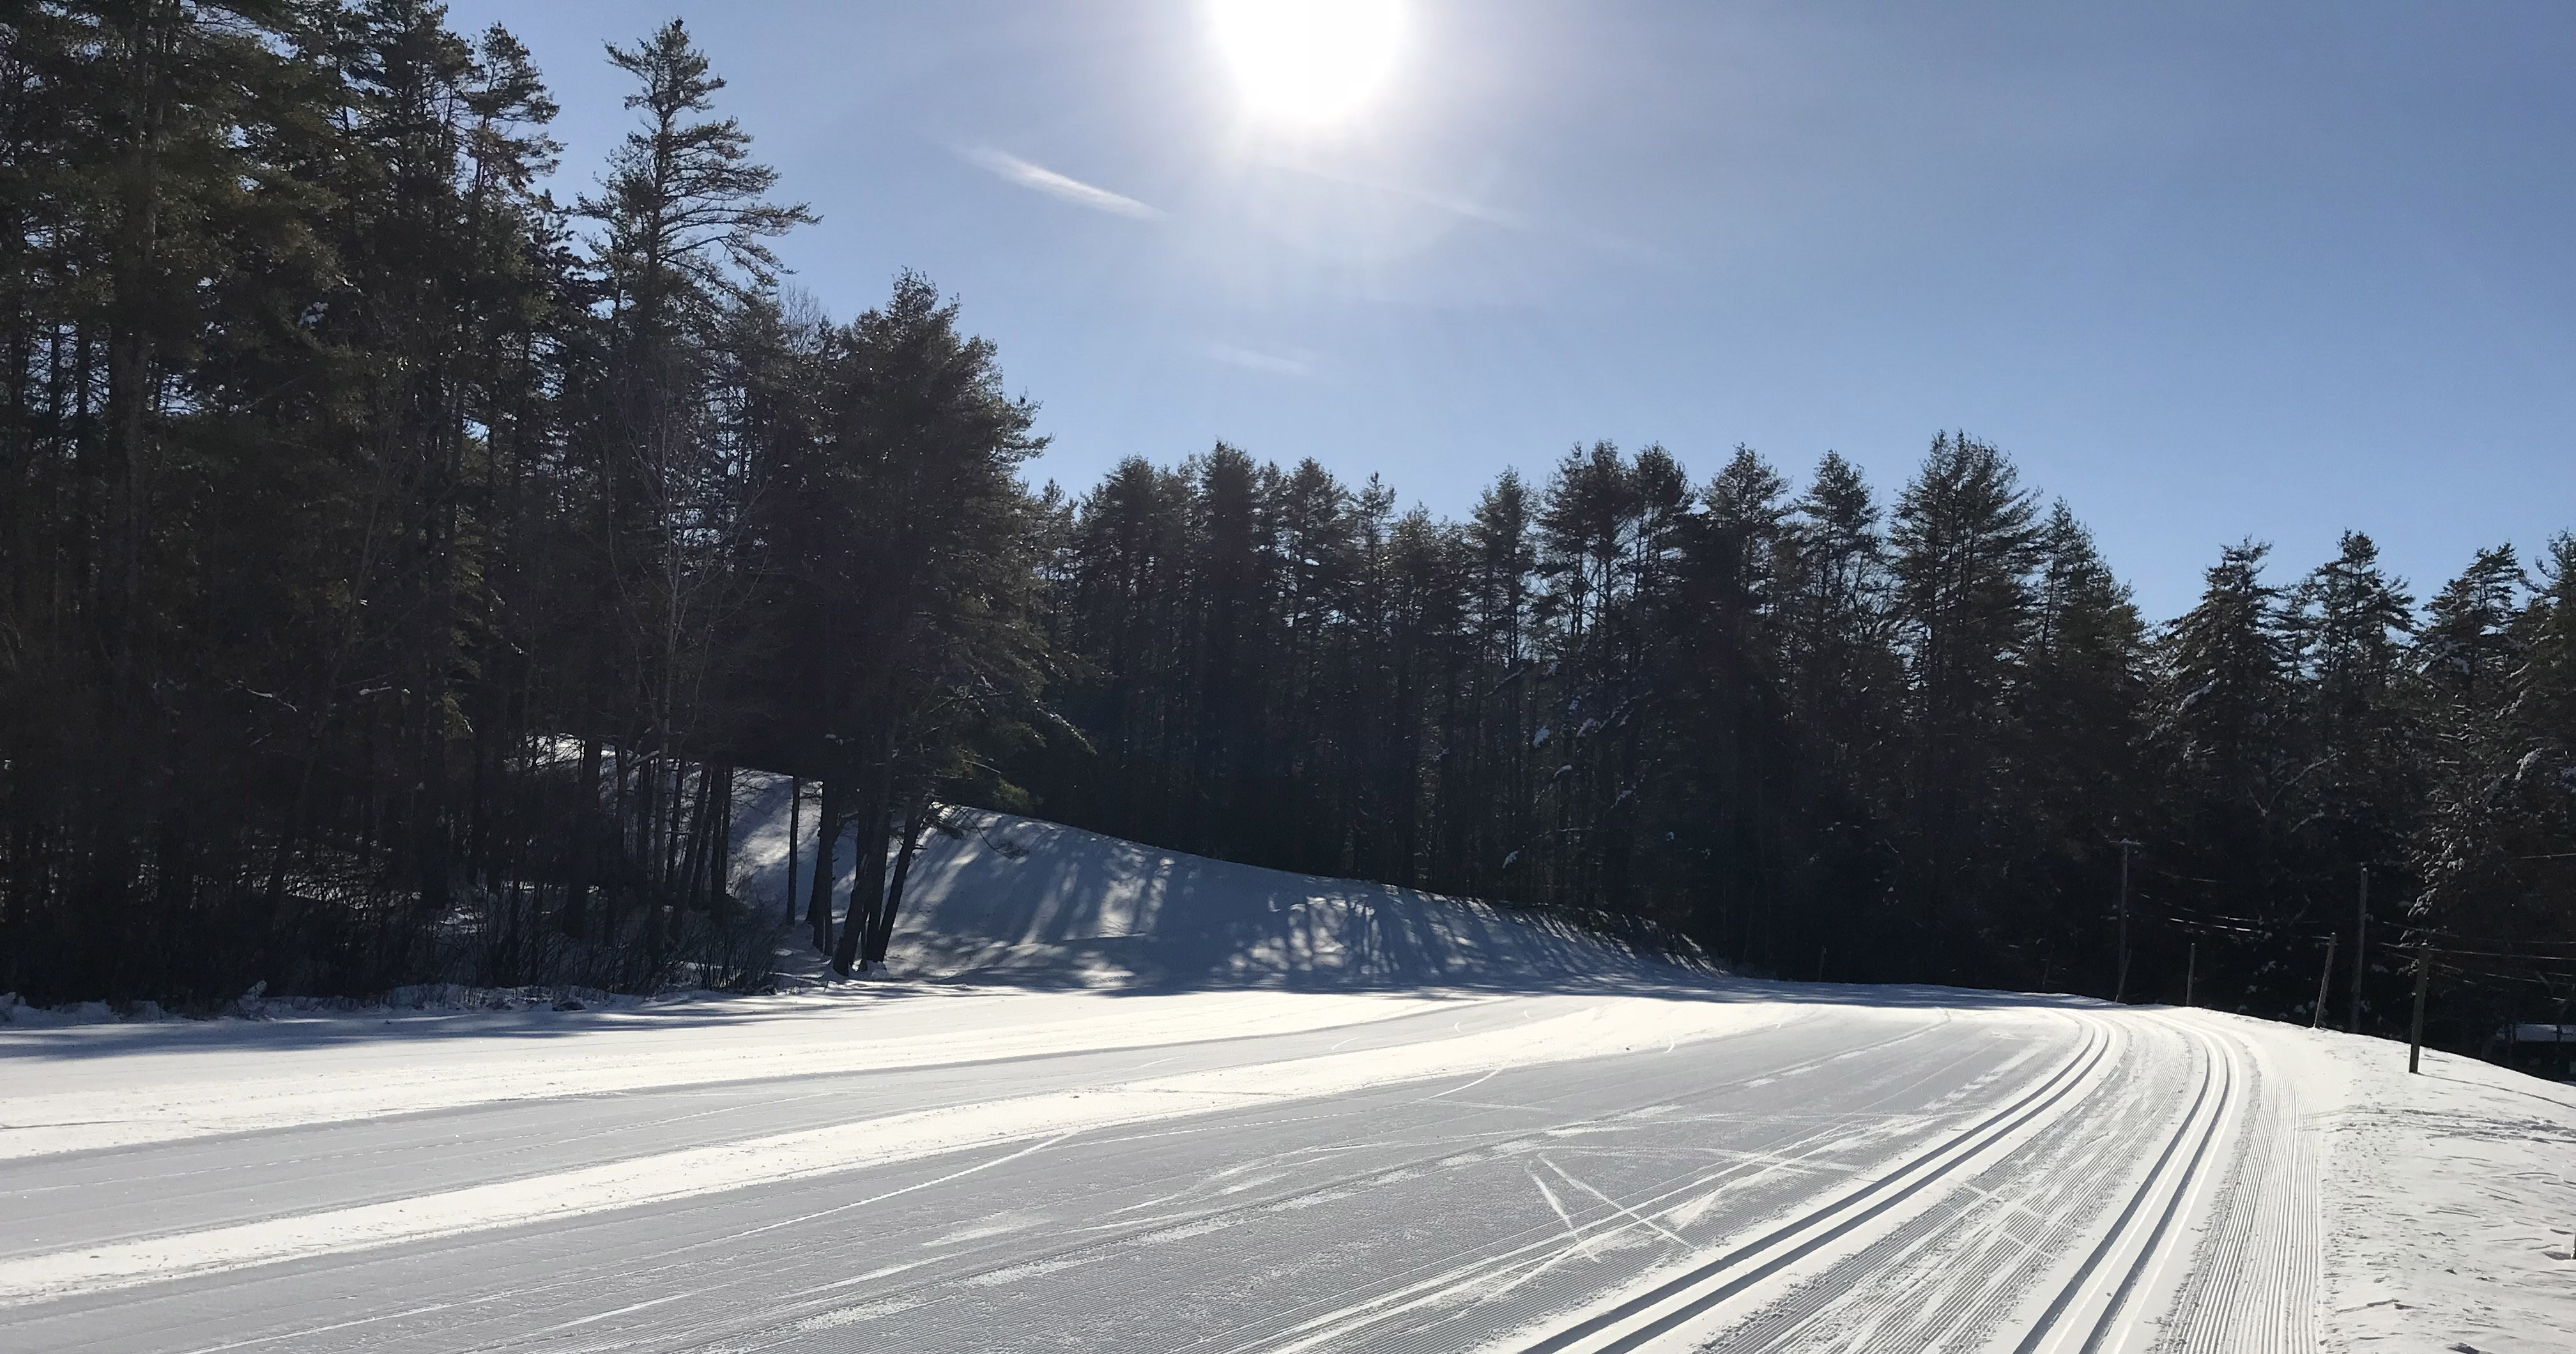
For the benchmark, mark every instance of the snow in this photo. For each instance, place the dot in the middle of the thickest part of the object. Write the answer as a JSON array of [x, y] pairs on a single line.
[[1005, 899], [103, 1085], [1121, 1098], [2449, 1196], [1617, 1026]]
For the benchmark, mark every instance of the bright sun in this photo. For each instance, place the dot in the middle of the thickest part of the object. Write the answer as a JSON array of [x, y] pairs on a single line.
[[1308, 62]]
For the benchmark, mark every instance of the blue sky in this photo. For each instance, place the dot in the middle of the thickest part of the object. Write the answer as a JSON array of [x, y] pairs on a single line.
[[2205, 271]]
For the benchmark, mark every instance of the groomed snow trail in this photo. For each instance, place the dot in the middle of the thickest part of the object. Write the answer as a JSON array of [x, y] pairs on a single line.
[[1733, 1167], [1289, 1114]]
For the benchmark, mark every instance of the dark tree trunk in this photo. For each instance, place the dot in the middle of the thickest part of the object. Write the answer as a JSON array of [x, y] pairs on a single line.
[[881, 935], [720, 852], [867, 891], [827, 845], [795, 804], [585, 841], [693, 855]]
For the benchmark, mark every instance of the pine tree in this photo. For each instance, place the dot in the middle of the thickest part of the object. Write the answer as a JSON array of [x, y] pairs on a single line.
[[925, 568], [1492, 836], [686, 228], [2224, 743], [2496, 847], [2076, 784], [2468, 649], [1965, 545], [2363, 780]]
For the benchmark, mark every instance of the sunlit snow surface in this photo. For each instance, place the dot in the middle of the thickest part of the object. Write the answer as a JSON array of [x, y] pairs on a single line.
[[998, 898], [1192, 1106]]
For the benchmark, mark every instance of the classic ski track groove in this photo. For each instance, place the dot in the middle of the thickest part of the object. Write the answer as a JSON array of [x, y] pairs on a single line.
[[1951, 1273], [2252, 1285], [1986, 1282], [2130, 1262], [1647, 1316], [925, 1290], [2055, 1331], [2091, 1312], [1458, 1269]]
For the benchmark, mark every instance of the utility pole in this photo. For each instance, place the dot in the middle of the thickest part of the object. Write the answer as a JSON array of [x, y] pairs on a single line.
[[2415, 1036], [2360, 939], [2317, 1017], [2190, 973], [2120, 989]]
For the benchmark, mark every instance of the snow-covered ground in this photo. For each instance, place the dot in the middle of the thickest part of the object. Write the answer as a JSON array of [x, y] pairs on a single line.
[[1186, 1105], [2450, 1195], [999, 898]]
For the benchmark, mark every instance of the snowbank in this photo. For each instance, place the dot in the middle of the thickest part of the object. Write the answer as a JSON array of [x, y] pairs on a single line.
[[1020, 900], [2448, 1197], [1000, 898]]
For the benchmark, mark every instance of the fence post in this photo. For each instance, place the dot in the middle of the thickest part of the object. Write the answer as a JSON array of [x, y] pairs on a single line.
[[2415, 1032], [2120, 982], [2317, 1017]]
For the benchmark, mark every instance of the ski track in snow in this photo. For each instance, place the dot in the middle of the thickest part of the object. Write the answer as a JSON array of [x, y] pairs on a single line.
[[1567, 1175], [1666, 1162], [1728, 1175], [1612, 1026]]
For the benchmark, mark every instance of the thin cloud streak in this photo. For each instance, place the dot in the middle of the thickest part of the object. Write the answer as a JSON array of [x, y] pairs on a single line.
[[1471, 210], [1271, 363], [1012, 169]]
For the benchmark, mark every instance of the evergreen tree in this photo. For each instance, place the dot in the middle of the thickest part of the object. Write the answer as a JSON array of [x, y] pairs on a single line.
[[2224, 740], [2468, 647], [1964, 548], [2075, 789], [2496, 845], [923, 573]]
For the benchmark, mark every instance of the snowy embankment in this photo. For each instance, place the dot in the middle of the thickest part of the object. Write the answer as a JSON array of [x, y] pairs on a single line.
[[1407, 1119], [2449, 1195], [997, 898]]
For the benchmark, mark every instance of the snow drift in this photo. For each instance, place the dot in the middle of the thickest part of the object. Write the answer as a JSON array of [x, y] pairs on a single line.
[[994, 897]]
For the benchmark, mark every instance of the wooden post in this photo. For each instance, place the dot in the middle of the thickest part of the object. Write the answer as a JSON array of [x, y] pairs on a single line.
[[2360, 939], [2317, 1017], [2415, 1035], [2120, 984], [2190, 973]]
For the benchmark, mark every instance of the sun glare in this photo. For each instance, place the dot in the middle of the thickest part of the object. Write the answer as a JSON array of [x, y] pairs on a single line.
[[1308, 62]]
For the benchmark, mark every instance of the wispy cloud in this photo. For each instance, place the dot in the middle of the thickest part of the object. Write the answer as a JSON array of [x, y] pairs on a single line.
[[1469, 209], [1275, 364], [1012, 169]]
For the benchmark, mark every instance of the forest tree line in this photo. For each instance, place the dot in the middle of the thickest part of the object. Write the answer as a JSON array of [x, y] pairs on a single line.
[[400, 562], [1831, 733], [402, 565]]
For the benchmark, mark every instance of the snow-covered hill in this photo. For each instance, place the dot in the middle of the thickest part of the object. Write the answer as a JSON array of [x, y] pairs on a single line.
[[999, 898]]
